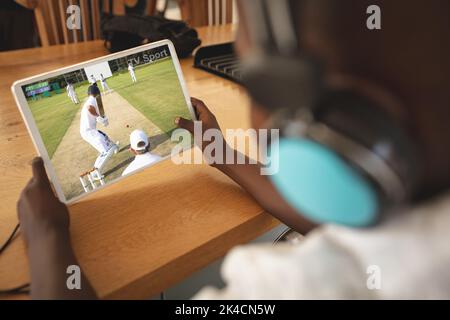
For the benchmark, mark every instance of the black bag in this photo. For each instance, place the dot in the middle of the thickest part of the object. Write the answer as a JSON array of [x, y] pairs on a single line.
[[124, 32]]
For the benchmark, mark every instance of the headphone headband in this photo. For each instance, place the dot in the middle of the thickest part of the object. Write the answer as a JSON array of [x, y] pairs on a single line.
[[277, 59], [271, 26]]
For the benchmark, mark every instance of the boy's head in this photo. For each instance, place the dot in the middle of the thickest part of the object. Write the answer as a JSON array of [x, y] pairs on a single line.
[[93, 90], [405, 67], [139, 143]]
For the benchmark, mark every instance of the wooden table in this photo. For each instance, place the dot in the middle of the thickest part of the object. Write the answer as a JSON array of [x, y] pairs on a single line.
[[151, 230]]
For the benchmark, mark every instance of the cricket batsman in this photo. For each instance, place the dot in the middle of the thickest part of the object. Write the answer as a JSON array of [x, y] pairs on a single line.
[[131, 70], [91, 114], [71, 93]]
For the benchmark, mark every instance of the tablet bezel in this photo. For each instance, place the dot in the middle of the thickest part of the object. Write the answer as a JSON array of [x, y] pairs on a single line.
[[30, 123]]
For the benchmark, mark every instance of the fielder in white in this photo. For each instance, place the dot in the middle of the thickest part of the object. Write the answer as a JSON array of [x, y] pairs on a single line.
[[105, 86], [140, 146], [71, 93], [131, 70], [90, 116]]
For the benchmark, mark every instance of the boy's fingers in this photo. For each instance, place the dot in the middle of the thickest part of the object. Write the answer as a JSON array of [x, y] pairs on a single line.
[[195, 100], [39, 174], [199, 106], [185, 124]]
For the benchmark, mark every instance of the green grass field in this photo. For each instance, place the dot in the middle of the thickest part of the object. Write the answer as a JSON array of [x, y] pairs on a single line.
[[53, 115], [157, 95]]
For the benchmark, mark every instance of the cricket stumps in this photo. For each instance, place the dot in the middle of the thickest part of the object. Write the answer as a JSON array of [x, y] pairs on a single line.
[[91, 180]]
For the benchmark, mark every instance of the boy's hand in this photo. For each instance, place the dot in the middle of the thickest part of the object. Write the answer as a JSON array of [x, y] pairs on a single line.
[[39, 210], [204, 115]]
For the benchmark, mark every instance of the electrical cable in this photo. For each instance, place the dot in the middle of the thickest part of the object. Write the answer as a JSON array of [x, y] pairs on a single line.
[[24, 288], [10, 239]]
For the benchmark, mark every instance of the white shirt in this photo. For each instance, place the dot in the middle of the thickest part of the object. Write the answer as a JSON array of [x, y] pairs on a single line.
[[140, 161], [409, 254], [87, 120], [130, 68], [70, 89]]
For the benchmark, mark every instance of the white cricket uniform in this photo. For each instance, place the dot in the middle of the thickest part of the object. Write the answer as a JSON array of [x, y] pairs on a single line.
[[140, 161], [72, 94], [88, 127], [104, 85], [131, 70]]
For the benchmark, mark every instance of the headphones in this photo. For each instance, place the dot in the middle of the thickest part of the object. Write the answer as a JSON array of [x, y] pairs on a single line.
[[341, 158]]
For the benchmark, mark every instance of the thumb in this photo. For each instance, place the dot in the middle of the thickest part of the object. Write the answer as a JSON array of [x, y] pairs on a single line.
[[39, 174], [185, 124]]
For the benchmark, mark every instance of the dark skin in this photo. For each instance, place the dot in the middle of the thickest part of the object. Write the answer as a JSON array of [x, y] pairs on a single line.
[[92, 109], [370, 63], [248, 175], [44, 223]]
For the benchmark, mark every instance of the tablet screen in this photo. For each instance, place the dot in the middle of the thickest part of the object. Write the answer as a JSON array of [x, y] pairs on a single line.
[[108, 118]]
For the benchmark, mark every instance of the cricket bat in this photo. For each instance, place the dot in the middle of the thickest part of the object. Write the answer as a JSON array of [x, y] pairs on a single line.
[[100, 105]]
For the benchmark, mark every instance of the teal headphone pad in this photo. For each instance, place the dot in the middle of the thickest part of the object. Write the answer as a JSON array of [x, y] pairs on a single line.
[[322, 186]]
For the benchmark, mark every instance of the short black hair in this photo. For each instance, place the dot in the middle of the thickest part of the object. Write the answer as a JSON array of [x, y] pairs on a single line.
[[93, 89]]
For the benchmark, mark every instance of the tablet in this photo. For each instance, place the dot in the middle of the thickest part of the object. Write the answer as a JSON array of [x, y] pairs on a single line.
[[98, 121]]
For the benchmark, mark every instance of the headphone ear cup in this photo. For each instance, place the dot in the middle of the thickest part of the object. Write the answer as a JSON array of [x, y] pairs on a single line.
[[319, 184]]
